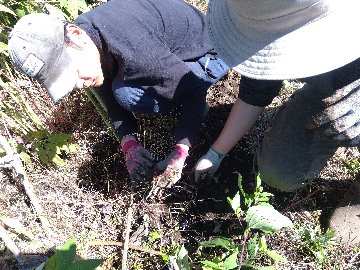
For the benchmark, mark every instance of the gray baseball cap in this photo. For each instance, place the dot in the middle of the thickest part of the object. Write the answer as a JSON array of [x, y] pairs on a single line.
[[37, 48]]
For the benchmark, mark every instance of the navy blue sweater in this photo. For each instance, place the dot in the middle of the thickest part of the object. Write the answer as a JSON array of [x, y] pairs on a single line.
[[145, 43]]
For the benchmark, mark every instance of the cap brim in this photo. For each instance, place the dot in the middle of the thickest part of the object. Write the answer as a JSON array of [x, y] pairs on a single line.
[[317, 47], [63, 78]]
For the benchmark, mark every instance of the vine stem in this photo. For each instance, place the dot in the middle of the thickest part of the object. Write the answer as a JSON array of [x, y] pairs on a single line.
[[245, 238]]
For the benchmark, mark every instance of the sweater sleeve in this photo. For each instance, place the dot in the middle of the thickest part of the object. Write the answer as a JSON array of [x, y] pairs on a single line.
[[160, 72]]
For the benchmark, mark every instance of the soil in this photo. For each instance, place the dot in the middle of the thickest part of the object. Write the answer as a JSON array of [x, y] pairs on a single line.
[[90, 196]]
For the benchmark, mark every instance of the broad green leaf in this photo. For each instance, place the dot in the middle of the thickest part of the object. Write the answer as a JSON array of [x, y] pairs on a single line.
[[85, 264], [275, 256], [218, 242], [183, 259], [253, 247], [235, 203], [20, 12], [63, 257], [262, 243], [271, 267], [6, 9], [58, 160], [266, 219], [3, 48], [212, 265], [231, 261], [258, 181]]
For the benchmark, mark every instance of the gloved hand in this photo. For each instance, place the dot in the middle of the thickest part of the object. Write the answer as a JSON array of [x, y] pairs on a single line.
[[207, 165], [171, 168], [139, 162], [341, 119]]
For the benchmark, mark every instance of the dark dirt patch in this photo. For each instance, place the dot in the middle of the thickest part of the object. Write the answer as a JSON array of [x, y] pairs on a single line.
[[89, 197]]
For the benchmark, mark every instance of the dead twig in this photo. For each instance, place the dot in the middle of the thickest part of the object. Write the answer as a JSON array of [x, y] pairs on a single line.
[[9, 243], [127, 230], [11, 160], [25, 256], [131, 246]]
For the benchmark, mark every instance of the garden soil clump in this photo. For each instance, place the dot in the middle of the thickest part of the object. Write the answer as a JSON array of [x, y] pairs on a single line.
[[90, 196]]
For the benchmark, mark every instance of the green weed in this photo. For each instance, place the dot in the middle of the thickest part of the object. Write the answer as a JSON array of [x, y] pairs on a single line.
[[351, 167], [317, 243], [64, 259], [260, 217]]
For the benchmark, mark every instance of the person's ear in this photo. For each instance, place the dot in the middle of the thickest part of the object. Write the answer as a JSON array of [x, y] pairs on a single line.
[[76, 35]]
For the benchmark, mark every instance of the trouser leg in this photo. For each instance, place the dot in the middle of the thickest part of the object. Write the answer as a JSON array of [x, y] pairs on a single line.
[[290, 154], [134, 98]]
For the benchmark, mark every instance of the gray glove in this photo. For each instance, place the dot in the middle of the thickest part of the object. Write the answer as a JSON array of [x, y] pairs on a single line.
[[207, 165], [341, 119]]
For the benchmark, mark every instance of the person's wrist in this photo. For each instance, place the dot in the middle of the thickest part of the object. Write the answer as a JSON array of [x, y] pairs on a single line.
[[182, 151], [127, 145], [221, 155], [215, 156]]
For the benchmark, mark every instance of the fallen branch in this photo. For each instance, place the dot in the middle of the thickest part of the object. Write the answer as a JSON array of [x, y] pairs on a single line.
[[127, 230], [9, 243], [24, 256], [130, 246], [11, 160]]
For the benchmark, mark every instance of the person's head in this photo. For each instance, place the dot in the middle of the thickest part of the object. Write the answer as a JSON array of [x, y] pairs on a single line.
[[284, 39], [61, 56]]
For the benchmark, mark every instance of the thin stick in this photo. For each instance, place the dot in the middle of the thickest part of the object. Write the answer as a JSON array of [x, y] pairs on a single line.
[[130, 246], [127, 230], [354, 258], [25, 256], [9, 243], [20, 174]]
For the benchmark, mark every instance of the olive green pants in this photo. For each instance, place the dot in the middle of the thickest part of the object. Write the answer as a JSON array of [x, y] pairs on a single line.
[[291, 154]]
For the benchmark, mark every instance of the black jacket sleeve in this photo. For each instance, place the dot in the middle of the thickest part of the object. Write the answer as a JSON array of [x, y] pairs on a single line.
[[258, 93]]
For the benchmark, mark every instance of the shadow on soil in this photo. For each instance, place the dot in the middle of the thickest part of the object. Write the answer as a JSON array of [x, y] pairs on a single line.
[[207, 212]]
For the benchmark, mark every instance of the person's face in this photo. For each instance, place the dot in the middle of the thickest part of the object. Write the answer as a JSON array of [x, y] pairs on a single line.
[[86, 59]]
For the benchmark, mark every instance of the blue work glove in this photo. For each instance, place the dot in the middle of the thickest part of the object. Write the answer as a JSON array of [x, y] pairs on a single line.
[[207, 165], [139, 162], [340, 120], [170, 169]]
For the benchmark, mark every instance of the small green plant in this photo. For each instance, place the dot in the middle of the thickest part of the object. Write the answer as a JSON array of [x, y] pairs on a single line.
[[52, 147], [259, 216], [317, 243], [351, 166], [64, 259]]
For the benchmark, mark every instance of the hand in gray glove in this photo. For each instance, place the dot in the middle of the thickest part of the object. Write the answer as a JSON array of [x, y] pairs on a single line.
[[171, 167], [139, 162], [207, 165], [341, 119]]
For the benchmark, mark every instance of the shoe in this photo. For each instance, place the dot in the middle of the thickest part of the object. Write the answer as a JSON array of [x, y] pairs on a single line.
[[345, 221]]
